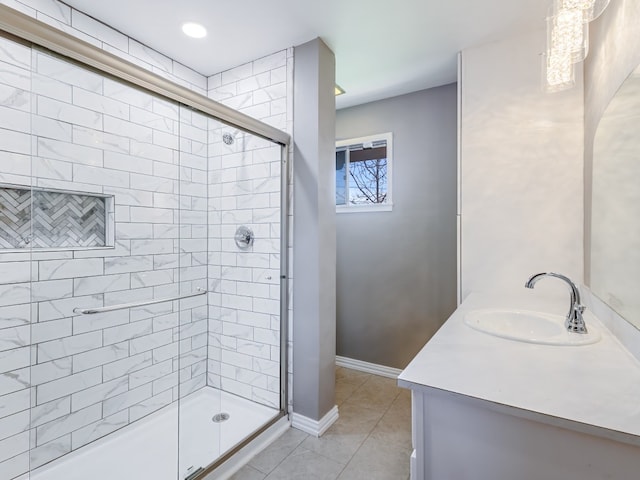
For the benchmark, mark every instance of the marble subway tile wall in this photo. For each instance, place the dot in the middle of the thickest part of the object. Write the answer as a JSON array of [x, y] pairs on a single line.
[[244, 353], [244, 189], [262, 89], [93, 374], [165, 345], [192, 235], [16, 392]]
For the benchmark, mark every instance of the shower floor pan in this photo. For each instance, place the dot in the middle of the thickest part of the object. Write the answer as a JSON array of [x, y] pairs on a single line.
[[149, 449]]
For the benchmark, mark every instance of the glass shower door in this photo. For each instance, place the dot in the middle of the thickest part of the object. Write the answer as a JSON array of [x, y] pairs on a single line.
[[198, 441], [115, 362], [105, 263], [241, 393]]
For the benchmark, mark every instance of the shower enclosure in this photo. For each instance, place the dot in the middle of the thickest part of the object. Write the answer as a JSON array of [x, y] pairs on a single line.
[[142, 268]]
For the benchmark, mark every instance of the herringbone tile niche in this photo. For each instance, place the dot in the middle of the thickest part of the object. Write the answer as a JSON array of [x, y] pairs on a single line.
[[47, 219]]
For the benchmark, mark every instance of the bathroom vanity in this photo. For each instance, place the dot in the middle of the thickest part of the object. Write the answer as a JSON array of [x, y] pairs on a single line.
[[486, 407]]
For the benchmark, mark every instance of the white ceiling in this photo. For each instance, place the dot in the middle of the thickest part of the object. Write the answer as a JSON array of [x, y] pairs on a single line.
[[382, 48]]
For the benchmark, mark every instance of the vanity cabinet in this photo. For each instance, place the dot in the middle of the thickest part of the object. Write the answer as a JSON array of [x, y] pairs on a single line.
[[462, 438], [487, 408]]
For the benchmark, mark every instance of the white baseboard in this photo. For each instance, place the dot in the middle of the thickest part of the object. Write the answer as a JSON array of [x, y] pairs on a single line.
[[368, 367], [314, 427]]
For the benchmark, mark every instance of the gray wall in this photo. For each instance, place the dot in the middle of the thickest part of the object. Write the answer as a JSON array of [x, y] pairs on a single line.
[[314, 231], [615, 53], [396, 271]]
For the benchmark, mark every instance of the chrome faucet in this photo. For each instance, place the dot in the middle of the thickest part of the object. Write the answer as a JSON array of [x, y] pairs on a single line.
[[574, 321]]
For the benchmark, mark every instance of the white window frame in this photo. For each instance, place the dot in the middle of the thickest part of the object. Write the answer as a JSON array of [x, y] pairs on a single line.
[[387, 206]]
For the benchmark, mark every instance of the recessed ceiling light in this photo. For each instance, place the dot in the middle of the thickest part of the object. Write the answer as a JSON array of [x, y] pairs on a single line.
[[339, 90], [194, 30]]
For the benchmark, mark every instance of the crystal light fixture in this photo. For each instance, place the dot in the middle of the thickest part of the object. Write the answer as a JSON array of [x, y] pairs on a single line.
[[568, 33], [591, 9], [568, 40], [558, 71]]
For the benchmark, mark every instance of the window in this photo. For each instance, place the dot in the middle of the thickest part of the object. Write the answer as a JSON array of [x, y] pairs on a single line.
[[363, 174]]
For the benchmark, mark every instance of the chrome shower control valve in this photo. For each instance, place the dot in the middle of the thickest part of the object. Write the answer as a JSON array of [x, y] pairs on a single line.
[[244, 237]]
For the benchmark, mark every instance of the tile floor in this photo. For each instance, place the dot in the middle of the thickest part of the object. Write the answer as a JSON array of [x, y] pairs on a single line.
[[370, 441]]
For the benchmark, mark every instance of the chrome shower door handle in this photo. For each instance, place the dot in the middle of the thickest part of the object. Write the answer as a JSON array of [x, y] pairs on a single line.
[[111, 308]]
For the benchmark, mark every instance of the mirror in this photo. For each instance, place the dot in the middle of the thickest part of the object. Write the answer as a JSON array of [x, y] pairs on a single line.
[[615, 210]]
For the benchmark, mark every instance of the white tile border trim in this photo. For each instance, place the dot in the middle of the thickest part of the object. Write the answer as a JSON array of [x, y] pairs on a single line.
[[314, 427], [368, 367]]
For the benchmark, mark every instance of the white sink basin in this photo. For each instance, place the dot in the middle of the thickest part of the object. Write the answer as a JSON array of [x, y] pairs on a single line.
[[528, 326]]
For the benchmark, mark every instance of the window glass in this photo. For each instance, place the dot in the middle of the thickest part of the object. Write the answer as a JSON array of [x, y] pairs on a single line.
[[363, 173], [368, 175], [341, 177]]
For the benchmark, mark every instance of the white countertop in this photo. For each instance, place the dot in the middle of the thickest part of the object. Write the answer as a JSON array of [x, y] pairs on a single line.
[[594, 385]]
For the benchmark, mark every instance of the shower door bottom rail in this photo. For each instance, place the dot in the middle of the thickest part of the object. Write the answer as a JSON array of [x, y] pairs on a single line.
[[90, 311]]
